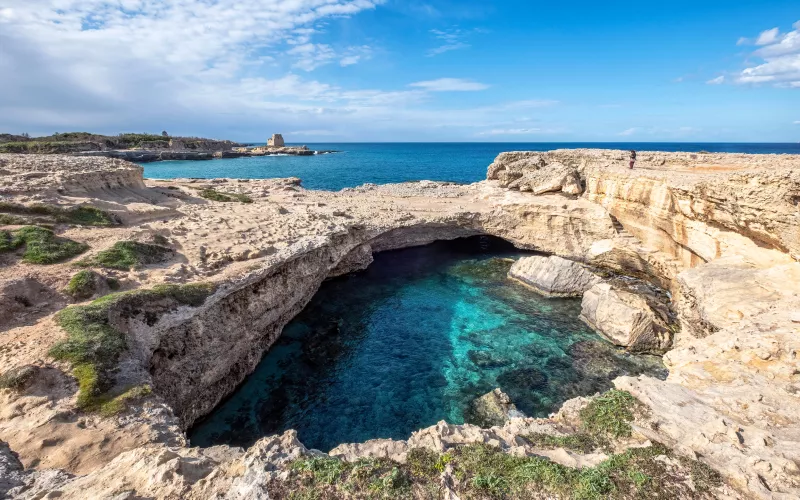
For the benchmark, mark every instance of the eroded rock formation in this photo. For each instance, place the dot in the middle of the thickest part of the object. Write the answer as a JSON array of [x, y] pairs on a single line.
[[720, 232]]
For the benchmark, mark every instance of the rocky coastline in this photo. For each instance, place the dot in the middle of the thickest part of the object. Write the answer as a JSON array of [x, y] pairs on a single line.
[[147, 148], [718, 235]]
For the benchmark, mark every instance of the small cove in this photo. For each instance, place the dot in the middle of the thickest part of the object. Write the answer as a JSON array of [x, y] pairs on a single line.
[[414, 340]]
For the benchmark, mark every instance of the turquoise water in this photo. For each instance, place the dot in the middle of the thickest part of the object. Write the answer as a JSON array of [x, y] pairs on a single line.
[[414, 340], [393, 162]]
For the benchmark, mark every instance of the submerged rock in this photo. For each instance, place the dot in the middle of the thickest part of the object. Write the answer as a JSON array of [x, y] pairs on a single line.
[[485, 359], [553, 276], [625, 319]]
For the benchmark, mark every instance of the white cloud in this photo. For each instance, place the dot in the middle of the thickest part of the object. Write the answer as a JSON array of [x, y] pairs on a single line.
[[355, 55], [451, 39], [716, 81], [194, 66], [523, 131], [629, 131], [310, 56], [93, 63], [767, 37], [450, 85], [780, 55], [797, 122]]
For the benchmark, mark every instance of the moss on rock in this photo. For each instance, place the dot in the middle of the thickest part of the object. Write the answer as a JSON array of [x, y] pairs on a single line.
[[94, 345]]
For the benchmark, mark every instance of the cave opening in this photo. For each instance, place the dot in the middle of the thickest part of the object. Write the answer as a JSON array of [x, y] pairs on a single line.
[[415, 339]]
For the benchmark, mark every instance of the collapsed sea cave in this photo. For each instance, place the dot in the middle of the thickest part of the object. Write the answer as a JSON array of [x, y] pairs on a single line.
[[415, 339]]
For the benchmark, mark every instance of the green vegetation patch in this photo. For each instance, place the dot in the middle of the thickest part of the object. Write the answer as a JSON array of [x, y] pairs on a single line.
[[213, 195], [82, 215], [94, 345], [137, 140], [119, 404], [580, 442], [481, 471], [126, 255], [42, 246], [86, 283], [610, 414]]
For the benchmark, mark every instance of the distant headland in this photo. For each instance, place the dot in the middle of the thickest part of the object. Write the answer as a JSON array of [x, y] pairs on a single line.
[[146, 147]]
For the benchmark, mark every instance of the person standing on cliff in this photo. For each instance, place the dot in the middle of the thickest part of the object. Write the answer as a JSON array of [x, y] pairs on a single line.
[[633, 158]]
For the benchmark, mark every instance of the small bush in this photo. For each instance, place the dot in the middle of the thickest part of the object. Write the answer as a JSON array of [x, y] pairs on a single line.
[[126, 255], [211, 194], [93, 345], [609, 414], [42, 246]]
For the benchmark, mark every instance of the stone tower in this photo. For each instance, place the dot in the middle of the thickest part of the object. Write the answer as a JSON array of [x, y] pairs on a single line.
[[276, 141]]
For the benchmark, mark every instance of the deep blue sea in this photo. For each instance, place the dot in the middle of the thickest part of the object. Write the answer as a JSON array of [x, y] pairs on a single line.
[[414, 340], [382, 163]]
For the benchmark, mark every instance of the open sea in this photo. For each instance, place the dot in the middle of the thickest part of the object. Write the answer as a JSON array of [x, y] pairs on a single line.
[[382, 163]]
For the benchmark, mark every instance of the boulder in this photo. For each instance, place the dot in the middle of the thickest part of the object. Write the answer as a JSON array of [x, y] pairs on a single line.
[[553, 178], [531, 172], [493, 409], [625, 319], [553, 276]]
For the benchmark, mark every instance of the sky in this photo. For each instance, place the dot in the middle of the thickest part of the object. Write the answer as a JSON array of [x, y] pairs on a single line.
[[392, 70]]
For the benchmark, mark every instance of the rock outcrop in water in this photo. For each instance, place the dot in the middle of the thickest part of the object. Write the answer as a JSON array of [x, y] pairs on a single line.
[[553, 276], [720, 232], [493, 408], [625, 319]]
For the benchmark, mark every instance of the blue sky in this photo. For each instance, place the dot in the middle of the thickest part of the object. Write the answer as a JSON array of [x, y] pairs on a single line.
[[387, 70]]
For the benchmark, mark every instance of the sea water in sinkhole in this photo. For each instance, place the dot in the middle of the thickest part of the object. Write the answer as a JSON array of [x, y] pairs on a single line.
[[414, 340]]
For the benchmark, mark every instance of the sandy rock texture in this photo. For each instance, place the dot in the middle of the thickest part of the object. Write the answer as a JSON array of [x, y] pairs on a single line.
[[720, 233], [554, 276]]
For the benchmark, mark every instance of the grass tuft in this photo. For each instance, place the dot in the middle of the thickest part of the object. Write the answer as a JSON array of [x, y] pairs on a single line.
[[484, 472], [94, 345], [126, 255], [610, 414], [213, 195], [42, 246], [82, 285], [580, 442]]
